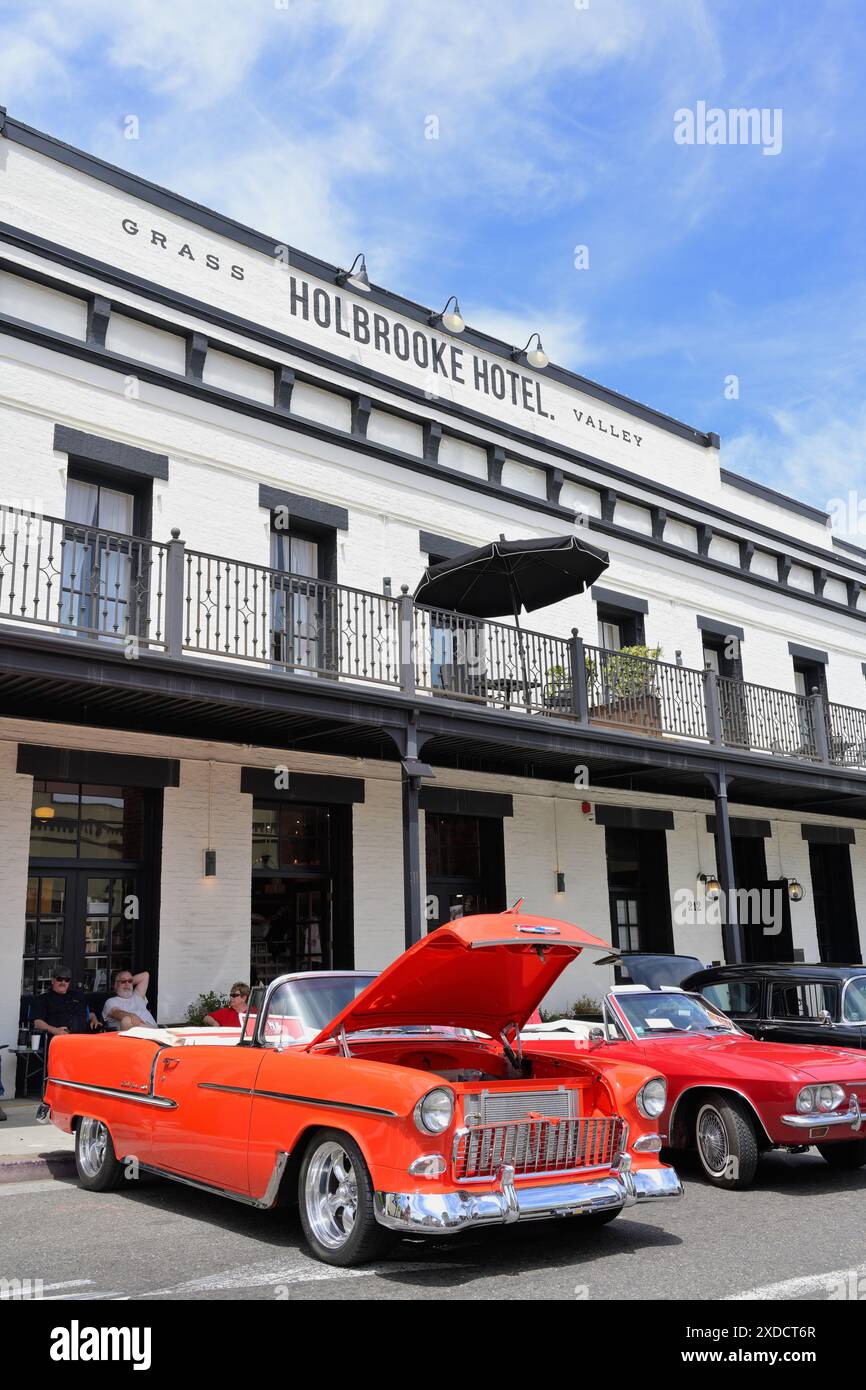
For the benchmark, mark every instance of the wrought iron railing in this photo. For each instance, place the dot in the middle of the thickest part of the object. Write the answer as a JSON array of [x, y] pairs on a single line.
[[632, 691], [846, 736], [80, 579], [233, 608], [764, 720], [67, 577], [492, 663]]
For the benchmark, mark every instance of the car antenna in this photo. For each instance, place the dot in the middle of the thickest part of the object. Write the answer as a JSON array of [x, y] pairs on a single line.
[[518, 905]]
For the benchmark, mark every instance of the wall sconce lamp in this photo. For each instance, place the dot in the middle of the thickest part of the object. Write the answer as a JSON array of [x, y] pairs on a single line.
[[796, 891], [210, 863], [357, 278], [535, 356], [44, 813], [451, 319], [710, 884]]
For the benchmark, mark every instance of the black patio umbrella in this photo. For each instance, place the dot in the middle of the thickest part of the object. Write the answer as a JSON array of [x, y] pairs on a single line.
[[505, 576]]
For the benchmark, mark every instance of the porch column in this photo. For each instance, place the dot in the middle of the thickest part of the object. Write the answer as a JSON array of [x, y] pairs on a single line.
[[414, 773], [732, 938]]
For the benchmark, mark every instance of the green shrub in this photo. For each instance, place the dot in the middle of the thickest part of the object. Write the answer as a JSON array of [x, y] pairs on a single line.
[[205, 1004]]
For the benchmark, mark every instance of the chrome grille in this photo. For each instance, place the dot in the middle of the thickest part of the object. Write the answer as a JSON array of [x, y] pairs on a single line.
[[500, 1107], [537, 1146]]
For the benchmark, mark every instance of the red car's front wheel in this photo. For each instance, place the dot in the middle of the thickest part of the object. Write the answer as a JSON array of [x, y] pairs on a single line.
[[726, 1141], [335, 1197]]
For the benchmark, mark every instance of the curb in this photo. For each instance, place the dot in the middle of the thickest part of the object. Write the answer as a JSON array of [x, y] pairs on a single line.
[[50, 1165]]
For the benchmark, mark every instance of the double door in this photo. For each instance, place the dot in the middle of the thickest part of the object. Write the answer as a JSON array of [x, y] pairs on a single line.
[[88, 920]]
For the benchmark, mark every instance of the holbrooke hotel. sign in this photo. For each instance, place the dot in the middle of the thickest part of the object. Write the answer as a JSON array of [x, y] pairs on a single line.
[[440, 356]]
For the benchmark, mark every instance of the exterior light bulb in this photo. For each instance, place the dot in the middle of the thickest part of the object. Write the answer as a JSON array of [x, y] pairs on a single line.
[[450, 318]]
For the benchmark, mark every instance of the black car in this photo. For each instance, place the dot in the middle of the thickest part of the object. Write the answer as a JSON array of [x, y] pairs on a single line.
[[793, 1003]]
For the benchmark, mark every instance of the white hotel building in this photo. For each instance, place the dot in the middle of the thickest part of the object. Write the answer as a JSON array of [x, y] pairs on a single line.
[[223, 471]]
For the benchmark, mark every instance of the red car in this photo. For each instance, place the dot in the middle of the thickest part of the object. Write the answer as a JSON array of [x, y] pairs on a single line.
[[729, 1096]]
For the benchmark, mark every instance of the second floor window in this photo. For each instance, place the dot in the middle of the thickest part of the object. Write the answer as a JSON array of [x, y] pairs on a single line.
[[296, 601], [618, 628], [97, 570]]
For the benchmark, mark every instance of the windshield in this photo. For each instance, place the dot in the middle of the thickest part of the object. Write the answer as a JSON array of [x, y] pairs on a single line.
[[653, 1014], [855, 1000], [299, 1009]]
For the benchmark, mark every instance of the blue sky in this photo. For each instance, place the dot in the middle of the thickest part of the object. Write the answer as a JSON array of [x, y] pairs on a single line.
[[555, 121]]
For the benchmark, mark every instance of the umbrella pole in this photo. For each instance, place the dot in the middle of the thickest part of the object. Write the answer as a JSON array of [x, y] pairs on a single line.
[[520, 645]]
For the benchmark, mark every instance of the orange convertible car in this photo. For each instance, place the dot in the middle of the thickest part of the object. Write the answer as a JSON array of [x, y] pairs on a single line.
[[374, 1100]]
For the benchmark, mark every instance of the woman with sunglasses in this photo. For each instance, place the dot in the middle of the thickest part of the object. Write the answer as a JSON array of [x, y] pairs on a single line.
[[231, 1017]]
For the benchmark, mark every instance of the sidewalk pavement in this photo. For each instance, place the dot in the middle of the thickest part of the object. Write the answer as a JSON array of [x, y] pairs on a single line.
[[29, 1150]]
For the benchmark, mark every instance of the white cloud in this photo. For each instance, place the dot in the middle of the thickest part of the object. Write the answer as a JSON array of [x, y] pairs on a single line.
[[564, 338]]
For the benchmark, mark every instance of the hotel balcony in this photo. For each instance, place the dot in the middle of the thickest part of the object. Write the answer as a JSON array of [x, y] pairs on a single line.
[[138, 597]]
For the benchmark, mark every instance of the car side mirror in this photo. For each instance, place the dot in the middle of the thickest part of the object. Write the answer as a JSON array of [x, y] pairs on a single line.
[[597, 1034], [824, 1017]]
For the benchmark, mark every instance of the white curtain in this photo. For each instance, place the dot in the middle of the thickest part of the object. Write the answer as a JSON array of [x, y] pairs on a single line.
[[96, 570]]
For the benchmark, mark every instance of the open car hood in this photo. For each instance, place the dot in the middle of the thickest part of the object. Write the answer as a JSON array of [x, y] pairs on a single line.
[[481, 972]]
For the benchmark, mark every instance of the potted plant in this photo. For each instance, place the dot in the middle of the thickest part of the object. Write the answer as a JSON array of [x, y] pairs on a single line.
[[623, 688]]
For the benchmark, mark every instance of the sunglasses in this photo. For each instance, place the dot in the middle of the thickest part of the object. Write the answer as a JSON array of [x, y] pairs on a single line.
[[236, 994], [63, 979], [124, 982]]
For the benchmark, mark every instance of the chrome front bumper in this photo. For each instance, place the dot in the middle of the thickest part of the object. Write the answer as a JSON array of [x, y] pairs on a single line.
[[441, 1213], [820, 1119]]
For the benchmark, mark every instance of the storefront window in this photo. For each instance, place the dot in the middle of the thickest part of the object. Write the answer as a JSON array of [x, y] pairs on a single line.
[[453, 846], [70, 821], [288, 836]]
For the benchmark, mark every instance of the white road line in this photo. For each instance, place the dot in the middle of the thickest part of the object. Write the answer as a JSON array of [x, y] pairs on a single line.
[[18, 1189], [835, 1284], [301, 1271]]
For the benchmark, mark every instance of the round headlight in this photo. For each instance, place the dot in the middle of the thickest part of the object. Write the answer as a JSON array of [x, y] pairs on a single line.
[[829, 1097], [651, 1097], [806, 1100], [435, 1111]]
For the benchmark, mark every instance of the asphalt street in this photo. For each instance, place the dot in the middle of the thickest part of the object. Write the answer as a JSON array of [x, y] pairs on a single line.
[[799, 1233]]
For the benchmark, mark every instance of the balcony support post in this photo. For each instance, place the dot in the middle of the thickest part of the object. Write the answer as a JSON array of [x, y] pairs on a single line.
[[579, 695], [406, 639], [732, 936], [414, 772], [711, 704], [174, 594]]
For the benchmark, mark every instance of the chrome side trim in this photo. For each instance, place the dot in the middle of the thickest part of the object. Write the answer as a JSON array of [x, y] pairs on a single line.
[[233, 1090], [326, 1104], [296, 1100], [264, 1202], [444, 1213], [161, 1102]]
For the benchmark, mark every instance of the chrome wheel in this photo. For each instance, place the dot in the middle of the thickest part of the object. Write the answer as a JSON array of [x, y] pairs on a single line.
[[331, 1195], [92, 1147], [712, 1140]]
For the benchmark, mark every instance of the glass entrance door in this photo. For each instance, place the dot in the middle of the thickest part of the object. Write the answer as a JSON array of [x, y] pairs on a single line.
[[291, 927], [84, 921]]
